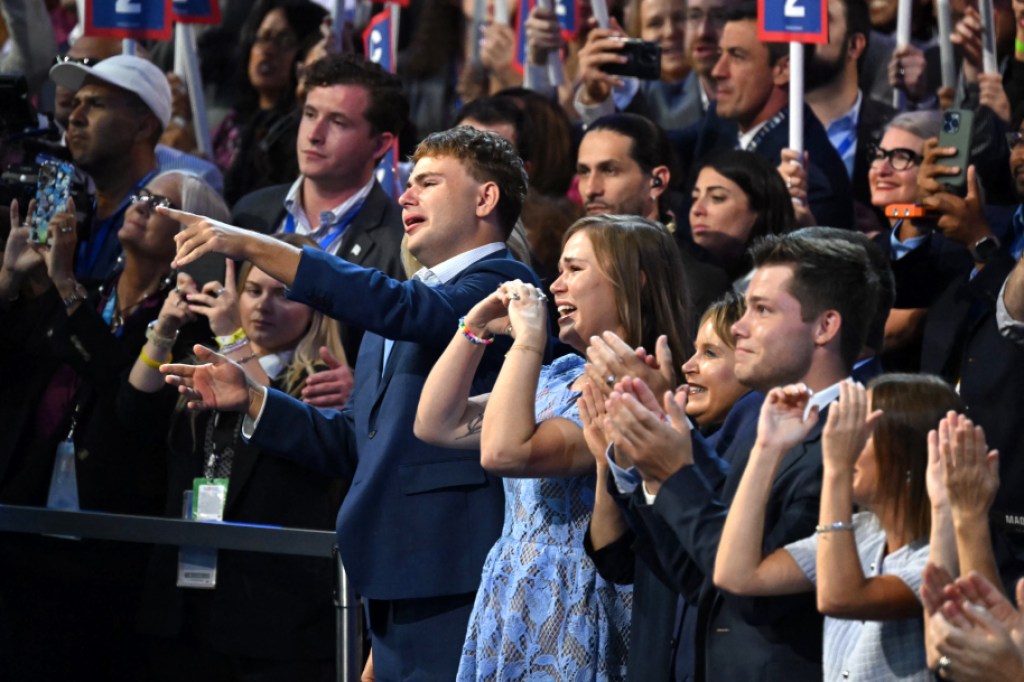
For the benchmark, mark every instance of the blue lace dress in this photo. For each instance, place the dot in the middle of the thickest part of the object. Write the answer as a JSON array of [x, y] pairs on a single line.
[[542, 612]]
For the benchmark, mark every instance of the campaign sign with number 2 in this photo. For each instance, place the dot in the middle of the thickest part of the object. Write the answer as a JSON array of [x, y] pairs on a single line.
[[793, 21], [128, 19]]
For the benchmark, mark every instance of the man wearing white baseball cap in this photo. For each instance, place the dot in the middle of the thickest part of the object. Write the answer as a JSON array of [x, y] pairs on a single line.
[[120, 108]]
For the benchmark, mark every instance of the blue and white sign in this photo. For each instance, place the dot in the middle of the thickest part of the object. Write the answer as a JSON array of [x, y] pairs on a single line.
[[792, 21], [196, 11], [128, 19]]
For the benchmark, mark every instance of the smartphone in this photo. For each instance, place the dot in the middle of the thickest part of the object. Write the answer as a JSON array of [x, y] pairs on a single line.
[[644, 60], [910, 212], [53, 188], [956, 131], [207, 268]]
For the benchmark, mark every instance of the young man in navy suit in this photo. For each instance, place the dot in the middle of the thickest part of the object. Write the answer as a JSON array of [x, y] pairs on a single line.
[[418, 520]]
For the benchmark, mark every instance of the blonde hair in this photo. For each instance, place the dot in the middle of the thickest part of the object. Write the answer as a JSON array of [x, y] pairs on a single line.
[[322, 331]]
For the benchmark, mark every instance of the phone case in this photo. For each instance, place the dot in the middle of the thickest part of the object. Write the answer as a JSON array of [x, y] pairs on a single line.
[[956, 132], [53, 188]]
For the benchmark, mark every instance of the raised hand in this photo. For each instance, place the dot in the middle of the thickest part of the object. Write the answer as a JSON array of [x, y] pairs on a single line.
[[592, 415], [218, 302], [329, 388], [781, 425], [658, 445], [175, 313], [205, 235], [610, 359], [908, 72], [603, 46], [20, 254], [972, 470], [219, 384], [848, 427], [63, 237], [543, 34]]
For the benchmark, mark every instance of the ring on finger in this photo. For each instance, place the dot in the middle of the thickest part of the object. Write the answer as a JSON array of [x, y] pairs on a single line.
[[610, 380], [789, 184], [66, 229], [218, 293], [513, 296], [541, 296], [945, 669]]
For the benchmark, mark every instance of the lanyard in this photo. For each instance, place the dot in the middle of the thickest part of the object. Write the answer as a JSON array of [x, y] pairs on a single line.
[[327, 239], [772, 123]]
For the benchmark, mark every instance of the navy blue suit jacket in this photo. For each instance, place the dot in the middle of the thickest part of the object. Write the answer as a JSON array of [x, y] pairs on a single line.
[[829, 192], [418, 520]]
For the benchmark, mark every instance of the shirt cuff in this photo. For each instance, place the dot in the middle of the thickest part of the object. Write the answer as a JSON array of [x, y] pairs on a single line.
[[248, 423], [626, 480], [648, 497], [1009, 327], [535, 77]]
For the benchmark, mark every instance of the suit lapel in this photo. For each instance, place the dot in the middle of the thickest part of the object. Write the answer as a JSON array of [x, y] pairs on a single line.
[[357, 242]]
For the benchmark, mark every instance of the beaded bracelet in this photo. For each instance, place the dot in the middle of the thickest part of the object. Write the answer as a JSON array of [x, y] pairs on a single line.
[[231, 339], [150, 362], [833, 527], [473, 338]]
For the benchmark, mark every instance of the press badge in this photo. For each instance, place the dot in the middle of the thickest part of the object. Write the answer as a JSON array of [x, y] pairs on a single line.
[[197, 566], [63, 482], [208, 498]]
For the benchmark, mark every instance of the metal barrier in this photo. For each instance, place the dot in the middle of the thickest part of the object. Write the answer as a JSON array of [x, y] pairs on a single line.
[[221, 535]]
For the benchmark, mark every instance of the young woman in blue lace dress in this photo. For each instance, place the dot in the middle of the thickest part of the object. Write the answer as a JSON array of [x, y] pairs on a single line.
[[542, 612]]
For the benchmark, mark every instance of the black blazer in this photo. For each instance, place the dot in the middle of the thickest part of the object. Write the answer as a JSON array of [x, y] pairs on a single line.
[[372, 240]]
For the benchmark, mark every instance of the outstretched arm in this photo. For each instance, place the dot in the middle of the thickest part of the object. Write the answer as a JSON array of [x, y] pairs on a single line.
[[205, 235], [741, 567]]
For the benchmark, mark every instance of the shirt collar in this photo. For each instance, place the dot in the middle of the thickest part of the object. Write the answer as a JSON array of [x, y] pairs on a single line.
[[275, 363], [850, 119], [823, 398], [293, 205], [447, 270]]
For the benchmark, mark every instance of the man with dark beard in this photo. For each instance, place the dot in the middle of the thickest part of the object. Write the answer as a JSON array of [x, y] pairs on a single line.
[[853, 122]]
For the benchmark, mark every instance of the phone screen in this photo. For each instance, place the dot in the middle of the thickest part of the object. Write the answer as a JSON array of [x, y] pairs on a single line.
[[53, 188]]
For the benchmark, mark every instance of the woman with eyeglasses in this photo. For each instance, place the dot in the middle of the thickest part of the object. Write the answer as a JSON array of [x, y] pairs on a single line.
[[63, 354], [913, 244], [275, 37]]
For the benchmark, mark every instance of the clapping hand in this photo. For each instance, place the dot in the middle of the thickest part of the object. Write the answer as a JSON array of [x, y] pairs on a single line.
[[971, 469], [610, 360], [656, 439], [848, 427], [781, 425]]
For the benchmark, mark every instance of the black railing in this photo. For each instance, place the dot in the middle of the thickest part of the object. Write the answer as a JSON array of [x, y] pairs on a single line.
[[220, 535]]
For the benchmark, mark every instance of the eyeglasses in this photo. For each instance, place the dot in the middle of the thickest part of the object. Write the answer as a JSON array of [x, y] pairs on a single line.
[[899, 158], [1014, 140], [84, 61], [282, 41], [151, 200]]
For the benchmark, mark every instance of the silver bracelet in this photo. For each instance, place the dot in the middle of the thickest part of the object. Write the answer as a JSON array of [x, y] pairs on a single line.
[[833, 527]]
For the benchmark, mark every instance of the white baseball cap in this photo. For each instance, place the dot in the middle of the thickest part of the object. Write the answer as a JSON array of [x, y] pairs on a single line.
[[127, 72]]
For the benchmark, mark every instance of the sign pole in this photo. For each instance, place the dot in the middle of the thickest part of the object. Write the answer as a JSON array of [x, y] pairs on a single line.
[[903, 14], [796, 97]]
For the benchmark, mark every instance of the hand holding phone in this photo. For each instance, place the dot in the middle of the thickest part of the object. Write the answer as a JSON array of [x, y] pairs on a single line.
[[643, 60], [957, 125], [53, 189]]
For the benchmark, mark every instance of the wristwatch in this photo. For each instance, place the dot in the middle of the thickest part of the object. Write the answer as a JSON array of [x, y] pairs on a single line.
[[983, 249]]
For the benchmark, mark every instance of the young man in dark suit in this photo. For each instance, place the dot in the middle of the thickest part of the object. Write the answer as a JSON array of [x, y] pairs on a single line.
[[751, 112], [418, 520], [353, 112], [809, 305]]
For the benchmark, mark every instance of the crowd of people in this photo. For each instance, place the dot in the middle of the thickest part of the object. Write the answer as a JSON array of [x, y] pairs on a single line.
[[611, 384]]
